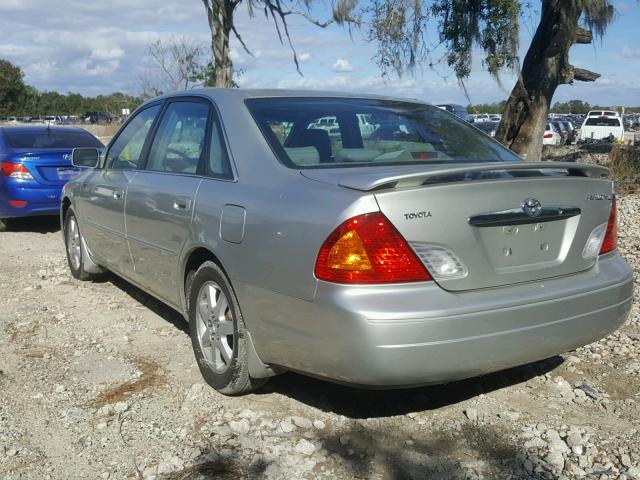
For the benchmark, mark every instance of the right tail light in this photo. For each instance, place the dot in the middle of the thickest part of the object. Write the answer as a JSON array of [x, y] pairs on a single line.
[[610, 241]]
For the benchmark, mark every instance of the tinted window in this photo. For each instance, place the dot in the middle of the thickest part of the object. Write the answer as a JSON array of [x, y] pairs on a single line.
[[179, 142], [603, 122], [402, 133], [126, 150], [50, 139]]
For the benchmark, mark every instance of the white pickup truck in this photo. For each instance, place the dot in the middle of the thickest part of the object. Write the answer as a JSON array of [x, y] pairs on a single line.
[[602, 124]]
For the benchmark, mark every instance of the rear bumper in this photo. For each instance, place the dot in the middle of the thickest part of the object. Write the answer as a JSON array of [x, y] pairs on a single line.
[[406, 335], [40, 201]]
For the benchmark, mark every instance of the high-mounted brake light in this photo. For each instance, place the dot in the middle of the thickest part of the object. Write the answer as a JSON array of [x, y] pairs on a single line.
[[15, 170], [610, 241], [367, 249]]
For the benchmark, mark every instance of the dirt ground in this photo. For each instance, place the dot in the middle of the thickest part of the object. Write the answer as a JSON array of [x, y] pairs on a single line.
[[98, 380]]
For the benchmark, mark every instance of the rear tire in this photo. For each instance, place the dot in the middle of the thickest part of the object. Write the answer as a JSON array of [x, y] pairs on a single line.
[[73, 244], [218, 333], [4, 224]]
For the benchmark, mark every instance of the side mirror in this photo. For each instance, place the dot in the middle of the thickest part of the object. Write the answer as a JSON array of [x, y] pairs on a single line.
[[85, 157]]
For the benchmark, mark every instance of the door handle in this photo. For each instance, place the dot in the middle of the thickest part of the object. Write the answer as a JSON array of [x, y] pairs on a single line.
[[117, 194], [181, 203]]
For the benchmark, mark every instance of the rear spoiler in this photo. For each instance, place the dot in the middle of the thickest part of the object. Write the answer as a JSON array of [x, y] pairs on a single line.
[[372, 180]]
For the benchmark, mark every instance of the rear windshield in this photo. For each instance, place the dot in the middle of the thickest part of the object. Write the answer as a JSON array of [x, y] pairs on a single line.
[[335, 132], [50, 139], [603, 122]]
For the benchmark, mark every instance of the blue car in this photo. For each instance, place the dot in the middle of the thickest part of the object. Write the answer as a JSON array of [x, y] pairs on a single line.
[[35, 163]]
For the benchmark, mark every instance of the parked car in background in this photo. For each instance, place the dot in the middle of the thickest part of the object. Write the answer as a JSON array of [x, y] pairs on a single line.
[[490, 128], [35, 162], [424, 254], [567, 127], [563, 130], [481, 117], [53, 120], [603, 127], [457, 110], [96, 117], [551, 135]]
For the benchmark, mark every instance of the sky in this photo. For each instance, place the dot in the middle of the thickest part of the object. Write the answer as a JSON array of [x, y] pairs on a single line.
[[96, 48]]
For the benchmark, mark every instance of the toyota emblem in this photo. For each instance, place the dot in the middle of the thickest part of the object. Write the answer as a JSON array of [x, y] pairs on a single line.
[[532, 207]]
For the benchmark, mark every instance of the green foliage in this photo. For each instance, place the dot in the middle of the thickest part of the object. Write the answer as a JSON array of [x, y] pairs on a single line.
[[572, 106], [400, 29], [12, 87], [36, 104], [495, 107], [490, 24], [20, 100]]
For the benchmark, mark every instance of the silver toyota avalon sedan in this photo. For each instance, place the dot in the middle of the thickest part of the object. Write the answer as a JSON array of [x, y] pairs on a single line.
[[361, 239]]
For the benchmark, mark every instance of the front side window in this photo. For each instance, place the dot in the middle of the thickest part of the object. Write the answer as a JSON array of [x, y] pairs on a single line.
[[126, 150], [330, 132], [179, 142]]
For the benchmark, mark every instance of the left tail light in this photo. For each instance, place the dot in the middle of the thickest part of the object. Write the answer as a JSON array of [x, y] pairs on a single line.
[[15, 170], [610, 241], [367, 249]]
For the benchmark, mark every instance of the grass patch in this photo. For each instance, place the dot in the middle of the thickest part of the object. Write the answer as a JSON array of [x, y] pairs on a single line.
[[153, 376]]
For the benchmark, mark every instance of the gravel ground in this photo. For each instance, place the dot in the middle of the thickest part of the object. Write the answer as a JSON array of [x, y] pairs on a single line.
[[98, 380]]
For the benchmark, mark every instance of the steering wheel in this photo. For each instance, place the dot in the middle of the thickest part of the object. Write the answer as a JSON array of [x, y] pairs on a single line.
[[180, 164], [183, 156]]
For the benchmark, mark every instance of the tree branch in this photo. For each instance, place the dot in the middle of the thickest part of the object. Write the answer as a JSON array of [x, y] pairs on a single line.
[[583, 75], [244, 45], [571, 74], [583, 37]]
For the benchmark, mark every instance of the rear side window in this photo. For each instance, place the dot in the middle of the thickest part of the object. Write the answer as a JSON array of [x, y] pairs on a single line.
[[50, 139], [126, 150], [218, 164], [330, 132], [603, 122], [179, 142]]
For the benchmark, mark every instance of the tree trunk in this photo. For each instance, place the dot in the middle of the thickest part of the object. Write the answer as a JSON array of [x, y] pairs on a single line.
[[220, 16], [545, 66]]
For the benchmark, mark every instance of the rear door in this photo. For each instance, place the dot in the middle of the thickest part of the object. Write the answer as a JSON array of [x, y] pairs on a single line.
[[160, 199], [103, 193]]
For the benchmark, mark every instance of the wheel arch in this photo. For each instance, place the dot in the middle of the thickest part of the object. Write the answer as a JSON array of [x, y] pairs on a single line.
[[196, 256], [192, 261], [66, 204]]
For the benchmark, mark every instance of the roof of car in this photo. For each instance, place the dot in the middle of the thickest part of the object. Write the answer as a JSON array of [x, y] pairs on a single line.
[[41, 128], [244, 93]]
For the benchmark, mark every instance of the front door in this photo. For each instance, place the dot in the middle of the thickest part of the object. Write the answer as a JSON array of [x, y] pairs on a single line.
[[103, 194], [160, 199]]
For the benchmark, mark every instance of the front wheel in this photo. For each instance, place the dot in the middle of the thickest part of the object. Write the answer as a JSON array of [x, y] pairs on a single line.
[[73, 244], [218, 333]]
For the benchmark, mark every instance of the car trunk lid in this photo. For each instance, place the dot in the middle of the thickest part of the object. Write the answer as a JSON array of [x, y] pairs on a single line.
[[49, 167], [476, 212]]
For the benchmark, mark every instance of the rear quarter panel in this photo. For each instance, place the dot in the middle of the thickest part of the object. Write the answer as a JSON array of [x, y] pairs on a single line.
[[288, 216]]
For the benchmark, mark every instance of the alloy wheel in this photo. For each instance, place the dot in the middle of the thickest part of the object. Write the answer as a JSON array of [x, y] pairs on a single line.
[[215, 327], [73, 243]]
